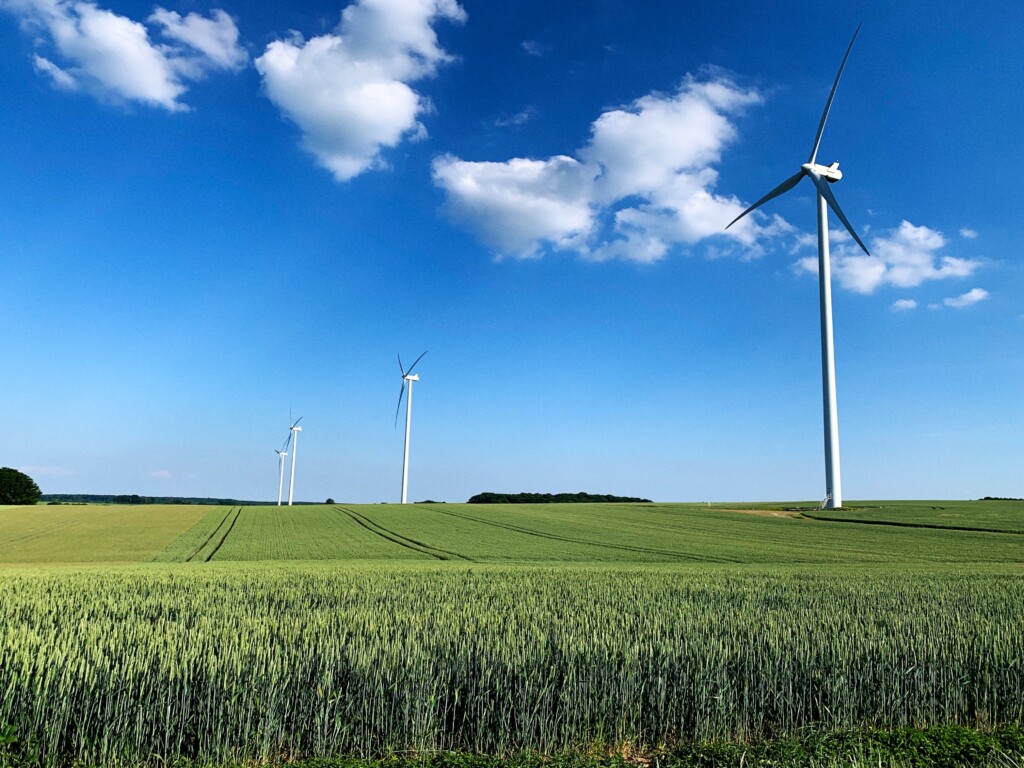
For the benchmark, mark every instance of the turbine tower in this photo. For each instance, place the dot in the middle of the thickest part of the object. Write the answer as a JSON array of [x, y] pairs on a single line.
[[821, 176], [408, 377], [294, 437], [280, 461]]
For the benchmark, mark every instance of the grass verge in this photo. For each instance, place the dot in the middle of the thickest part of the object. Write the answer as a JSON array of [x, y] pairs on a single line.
[[934, 747]]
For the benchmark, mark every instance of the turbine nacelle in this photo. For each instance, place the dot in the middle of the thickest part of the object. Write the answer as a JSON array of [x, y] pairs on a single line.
[[407, 377], [829, 173]]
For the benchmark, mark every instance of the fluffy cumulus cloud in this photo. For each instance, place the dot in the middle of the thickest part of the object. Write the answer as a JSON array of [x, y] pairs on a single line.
[[350, 91], [904, 305], [968, 299], [520, 202], [114, 57], [643, 184], [904, 257], [215, 38]]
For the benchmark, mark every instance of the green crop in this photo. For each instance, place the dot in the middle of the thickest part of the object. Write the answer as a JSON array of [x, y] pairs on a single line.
[[496, 629], [260, 661], [92, 533], [927, 532]]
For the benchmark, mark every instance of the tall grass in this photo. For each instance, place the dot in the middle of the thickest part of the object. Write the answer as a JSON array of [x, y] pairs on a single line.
[[257, 662]]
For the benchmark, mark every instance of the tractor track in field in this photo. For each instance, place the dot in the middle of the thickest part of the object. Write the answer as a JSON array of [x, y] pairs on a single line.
[[225, 536], [898, 524], [572, 540], [212, 534], [399, 539], [62, 526]]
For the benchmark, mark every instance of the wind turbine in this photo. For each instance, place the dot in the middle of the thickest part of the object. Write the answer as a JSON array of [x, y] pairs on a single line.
[[294, 437], [280, 461], [408, 377], [821, 176]]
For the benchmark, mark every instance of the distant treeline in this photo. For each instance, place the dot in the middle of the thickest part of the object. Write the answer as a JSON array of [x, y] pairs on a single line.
[[998, 498], [134, 498], [550, 498]]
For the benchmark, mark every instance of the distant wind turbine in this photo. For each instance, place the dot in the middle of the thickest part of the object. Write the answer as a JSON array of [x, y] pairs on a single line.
[[821, 176], [408, 377], [294, 437], [280, 461]]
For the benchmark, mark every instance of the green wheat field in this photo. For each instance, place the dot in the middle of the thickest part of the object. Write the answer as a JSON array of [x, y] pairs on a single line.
[[155, 634]]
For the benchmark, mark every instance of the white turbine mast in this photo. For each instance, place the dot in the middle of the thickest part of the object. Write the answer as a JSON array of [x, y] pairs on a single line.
[[294, 437], [408, 377], [280, 466], [821, 176]]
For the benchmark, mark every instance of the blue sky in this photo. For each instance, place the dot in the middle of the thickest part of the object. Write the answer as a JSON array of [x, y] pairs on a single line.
[[212, 214]]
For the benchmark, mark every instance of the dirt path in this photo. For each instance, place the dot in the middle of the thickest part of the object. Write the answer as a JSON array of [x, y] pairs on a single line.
[[759, 512]]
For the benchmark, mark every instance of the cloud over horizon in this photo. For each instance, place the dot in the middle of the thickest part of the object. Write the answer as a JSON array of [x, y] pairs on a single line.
[[114, 58], [349, 91], [643, 184]]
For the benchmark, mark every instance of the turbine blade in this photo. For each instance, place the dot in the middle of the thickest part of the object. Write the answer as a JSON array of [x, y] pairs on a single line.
[[832, 95], [287, 442], [398, 407], [414, 364], [297, 421], [784, 187], [826, 193], [400, 366]]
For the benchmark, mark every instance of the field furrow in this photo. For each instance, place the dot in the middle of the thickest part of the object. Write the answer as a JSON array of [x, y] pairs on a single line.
[[308, 533], [397, 538], [92, 533], [670, 554]]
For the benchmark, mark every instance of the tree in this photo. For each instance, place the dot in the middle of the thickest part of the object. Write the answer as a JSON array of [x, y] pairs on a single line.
[[17, 487], [330, 501]]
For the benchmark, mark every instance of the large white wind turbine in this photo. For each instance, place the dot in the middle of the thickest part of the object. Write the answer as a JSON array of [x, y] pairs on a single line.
[[408, 377], [280, 462], [821, 176], [294, 437]]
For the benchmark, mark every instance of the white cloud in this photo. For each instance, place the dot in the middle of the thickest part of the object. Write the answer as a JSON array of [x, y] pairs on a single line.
[[520, 118], [216, 38], [113, 57], [903, 305], [161, 474], [61, 79], [514, 206], [533, 48], [349, 92], [642, 185], [973, 296], [904, 257], [968, 233]]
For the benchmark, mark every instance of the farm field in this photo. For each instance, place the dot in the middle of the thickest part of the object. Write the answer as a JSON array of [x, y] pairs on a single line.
[[255, 634], [931, 532], [994, 515], [91, 533]]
